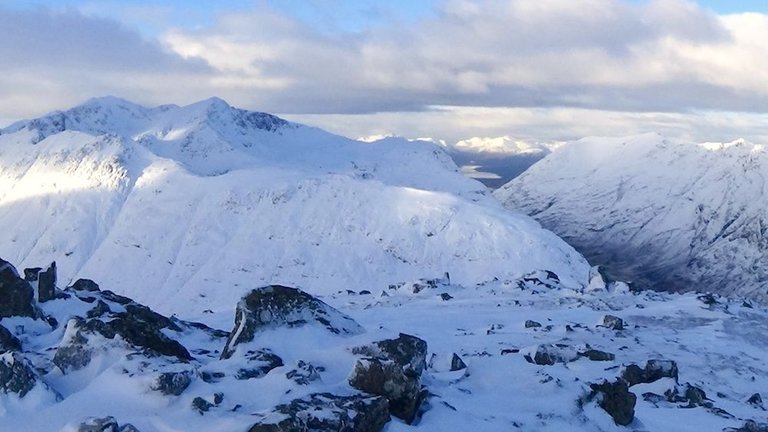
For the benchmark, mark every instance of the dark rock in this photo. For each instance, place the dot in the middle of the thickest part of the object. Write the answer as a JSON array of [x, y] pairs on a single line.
[[695, 396], [457, 363], [393, 368], [30, 274], [304, 373], [173, 383], [100, 309], [16, 374], [260, 362], [325, 412], [613, 322], [46, 284], [218, 398], [597, 355], [279, 306], [616, 399], [17, 294], [446, 296], [8, 342], [532, 324], [201, 405], [539, 279], [140, 327], [654, 370], [212, 377], [750, 426], [85, 285], [755, 399], [548, 355], [708, 299], [104, 424], [364, 292]]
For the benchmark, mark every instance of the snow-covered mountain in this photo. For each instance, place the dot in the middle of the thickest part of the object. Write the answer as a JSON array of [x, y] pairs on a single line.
[[206, 201], [662, 213]]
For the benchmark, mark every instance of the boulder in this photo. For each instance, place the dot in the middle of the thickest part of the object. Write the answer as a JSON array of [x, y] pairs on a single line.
[[755, 400], [104, 424], [173, 383], [616, 399], [85, 285], [613, 322], [279, 306], [457, 363], [655, 369], [548, 355], [750, 426], [597, 355], [392, 368], [17, 294], [532, 324], [16, 374], [201, 405], [8, 342], [324, 412]]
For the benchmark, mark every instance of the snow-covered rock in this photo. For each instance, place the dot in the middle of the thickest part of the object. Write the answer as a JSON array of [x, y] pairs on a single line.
[[188, 208], [660, 213]]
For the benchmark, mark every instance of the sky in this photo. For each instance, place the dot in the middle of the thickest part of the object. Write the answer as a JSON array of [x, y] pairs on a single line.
[[533, 70]]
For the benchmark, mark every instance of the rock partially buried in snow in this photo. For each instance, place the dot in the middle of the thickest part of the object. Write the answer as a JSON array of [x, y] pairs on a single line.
[[655, 369], [16, 374], [548, 355], [393, 368], [616, 399], [325, 412], [276, 306], [104, 424], [173, 383]]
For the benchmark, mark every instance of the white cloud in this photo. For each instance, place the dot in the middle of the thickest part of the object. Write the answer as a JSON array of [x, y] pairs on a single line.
[[538, 70]]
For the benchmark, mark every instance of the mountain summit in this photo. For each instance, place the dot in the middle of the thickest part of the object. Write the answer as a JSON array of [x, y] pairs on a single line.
[[191, 206]]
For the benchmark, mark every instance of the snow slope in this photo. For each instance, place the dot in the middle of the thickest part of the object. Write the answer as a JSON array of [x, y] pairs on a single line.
[[662, 213], [185, 208]]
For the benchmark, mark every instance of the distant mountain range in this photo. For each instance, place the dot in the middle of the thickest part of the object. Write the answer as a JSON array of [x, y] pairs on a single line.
[[661, 213]]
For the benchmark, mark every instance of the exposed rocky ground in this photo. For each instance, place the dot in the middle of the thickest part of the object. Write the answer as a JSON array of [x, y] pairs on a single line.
[[527, 354]]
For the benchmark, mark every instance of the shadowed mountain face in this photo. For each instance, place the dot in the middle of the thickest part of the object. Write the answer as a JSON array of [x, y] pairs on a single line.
[[665, 215]]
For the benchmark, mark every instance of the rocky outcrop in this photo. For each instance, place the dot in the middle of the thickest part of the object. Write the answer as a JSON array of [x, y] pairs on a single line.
[[324, 412], [139, 327], [392, 368], [259, 363], [16, 375], [280, 306], [17, 294]]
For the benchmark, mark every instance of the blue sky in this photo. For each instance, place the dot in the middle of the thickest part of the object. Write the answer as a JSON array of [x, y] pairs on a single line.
[[154, 16], [449, 69]]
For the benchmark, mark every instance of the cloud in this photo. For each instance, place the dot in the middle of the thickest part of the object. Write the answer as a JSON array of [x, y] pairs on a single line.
[[55, 59], [662, 55], [537, 70]]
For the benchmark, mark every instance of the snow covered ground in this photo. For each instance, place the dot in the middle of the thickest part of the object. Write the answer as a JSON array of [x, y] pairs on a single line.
[[718, 347]]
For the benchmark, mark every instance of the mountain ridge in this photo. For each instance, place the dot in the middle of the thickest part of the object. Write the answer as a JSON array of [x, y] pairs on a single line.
[[203, 203]]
